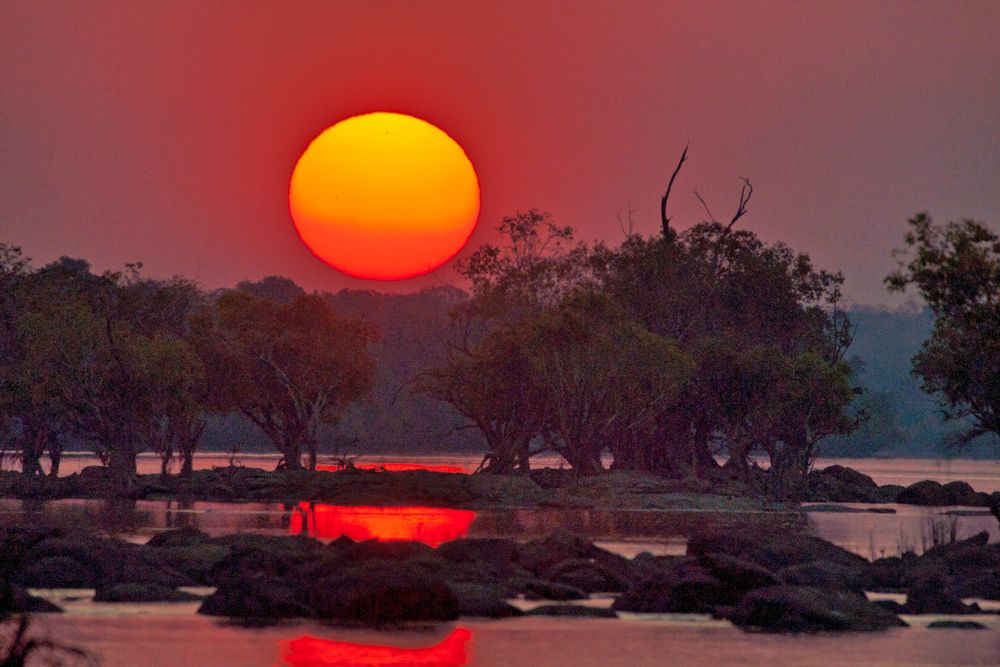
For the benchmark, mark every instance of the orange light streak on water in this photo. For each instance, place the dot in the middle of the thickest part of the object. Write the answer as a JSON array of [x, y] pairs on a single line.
[[397, 467], [313, 652], [430, 525]]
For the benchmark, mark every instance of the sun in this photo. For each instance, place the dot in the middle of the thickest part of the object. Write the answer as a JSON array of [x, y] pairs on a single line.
[[384, 196]]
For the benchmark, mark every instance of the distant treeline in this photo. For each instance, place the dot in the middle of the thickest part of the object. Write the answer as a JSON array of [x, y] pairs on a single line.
[[662, 352]]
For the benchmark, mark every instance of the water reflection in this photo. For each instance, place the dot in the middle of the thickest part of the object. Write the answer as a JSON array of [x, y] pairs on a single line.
[[430, 525], [398, 467], [314, 652]]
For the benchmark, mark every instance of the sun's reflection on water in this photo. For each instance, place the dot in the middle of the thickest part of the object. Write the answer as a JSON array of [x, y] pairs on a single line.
[[430, 525], [314, 652]]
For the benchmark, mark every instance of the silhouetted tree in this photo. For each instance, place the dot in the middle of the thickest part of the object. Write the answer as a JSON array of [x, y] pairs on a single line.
[[956, 269], [289, 368]]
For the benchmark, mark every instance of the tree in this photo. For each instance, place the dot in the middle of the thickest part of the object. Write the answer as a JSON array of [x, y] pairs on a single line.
[[289, 368], [956, 269]]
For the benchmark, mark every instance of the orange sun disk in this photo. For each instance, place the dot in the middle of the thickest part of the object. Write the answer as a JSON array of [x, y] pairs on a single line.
[[384, 196]]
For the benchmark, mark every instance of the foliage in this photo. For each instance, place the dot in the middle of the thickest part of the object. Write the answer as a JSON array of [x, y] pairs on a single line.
[[956, 269], [288, 367], [661, 353]]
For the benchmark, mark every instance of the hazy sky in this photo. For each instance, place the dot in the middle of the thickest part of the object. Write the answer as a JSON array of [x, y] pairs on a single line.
[[166, 132]]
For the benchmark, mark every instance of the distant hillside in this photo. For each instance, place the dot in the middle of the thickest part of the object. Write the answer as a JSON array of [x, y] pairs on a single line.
[[904, 420]]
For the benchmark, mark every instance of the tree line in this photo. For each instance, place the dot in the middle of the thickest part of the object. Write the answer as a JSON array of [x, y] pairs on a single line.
[[658, 354], [129, 364]]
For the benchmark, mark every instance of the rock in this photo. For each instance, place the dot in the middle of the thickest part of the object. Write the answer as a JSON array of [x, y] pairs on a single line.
[[774, 550], [386, 550], [824, 575], [585, 575], [927, 493], [687, 587], [739, 575], [380, 593], [961, 493], [957, 625], [890, 605], [142, 593], [23, 602], [805, 609], [182, 537], [55, 572], [482, 601], [572, 611], [17, 541], [255, 596], [843, 485], [538, 589], [499, 552], [196, 560], [885, 575], [928, 596], [110, 561]]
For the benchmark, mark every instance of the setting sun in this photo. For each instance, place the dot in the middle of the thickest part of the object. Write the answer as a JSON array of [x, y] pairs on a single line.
[[384, 196]]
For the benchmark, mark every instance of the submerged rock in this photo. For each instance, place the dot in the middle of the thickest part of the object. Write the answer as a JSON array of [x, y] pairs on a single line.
[[929, 596], [806, 609], [256, 596], [956, 625], [142, 593], [482, 601], [572, 611]]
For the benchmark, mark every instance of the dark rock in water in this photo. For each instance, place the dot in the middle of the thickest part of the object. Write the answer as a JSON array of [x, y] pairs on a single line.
[[805, 609], [880, 510], [572, 611], [774, 550], [985, 585], [271, 556], [687, 587], [17, 541], [109, 561], [885, 575], [961, 493], [142, 593], [929, 596], [498, 551], [539, 589], [23, 602], [957, 625], [480, 560], [844, 485], [256, 596], [387, 550], [55, 572], [195, 560], [585, 575], [380, 593], [824, 575], [890, 605], [933, 494], [482, 601], [182, 537], [739, 575], [928, 493], [539, 555], [969, 567]]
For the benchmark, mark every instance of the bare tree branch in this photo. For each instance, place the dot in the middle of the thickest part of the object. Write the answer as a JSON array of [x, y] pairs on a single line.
[[703, 203], [664, 218], [745, 193]]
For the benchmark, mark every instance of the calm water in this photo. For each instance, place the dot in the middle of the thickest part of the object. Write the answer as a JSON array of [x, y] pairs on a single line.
[[983, 475], [148, 637], [164, 634]]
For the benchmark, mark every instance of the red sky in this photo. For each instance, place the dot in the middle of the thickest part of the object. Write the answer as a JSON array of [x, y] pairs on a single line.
[[166, 132]]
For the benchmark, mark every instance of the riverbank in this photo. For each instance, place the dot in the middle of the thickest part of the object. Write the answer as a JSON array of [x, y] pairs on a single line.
[[544, 487]]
